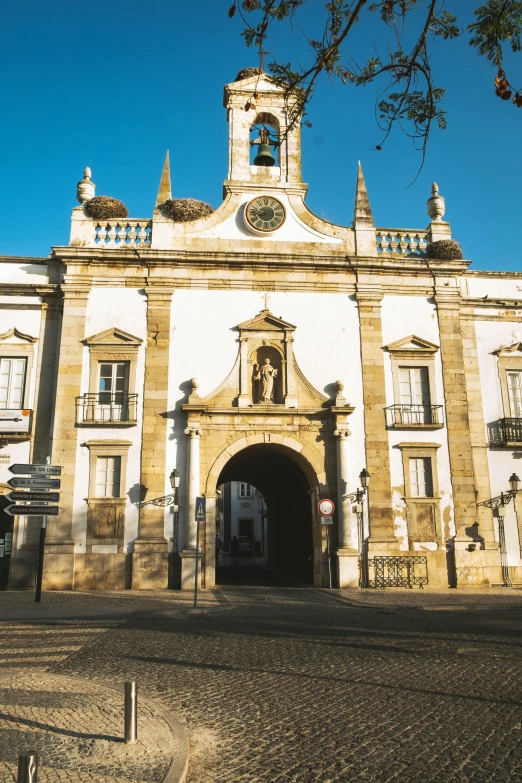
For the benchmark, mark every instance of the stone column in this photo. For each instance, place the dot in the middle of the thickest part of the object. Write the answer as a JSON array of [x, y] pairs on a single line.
[[150, 559], [244, 400], [382, 538], [347, 553], [59, 557], [291, 388], [193, 432], [484, 568]]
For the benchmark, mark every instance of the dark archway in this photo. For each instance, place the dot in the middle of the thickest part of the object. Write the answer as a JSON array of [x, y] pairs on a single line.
[[285, 489]]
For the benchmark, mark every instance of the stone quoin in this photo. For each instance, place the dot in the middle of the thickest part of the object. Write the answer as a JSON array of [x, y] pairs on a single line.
[[266, 305]]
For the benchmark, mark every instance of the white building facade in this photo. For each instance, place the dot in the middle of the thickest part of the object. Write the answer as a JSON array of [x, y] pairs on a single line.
[[262, 344]]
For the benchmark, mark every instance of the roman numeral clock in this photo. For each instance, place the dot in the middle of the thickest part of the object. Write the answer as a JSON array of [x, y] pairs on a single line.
[[264, 214]]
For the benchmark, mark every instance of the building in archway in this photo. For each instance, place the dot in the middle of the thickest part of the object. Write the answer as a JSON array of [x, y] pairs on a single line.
[[318, 350]]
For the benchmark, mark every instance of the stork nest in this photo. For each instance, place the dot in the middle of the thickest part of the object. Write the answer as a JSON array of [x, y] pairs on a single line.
[[246, 73], [444, 250], [105, 208], [181, 210]]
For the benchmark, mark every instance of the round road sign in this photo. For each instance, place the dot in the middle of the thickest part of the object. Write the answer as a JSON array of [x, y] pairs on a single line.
[[326, 507]]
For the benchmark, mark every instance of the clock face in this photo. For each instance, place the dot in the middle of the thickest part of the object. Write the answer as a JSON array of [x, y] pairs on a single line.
[[265, 213]]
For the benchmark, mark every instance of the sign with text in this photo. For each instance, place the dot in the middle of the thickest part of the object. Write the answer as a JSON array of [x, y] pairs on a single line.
[[34, 483], [15, 420], [36, 511], [42, 470], [43, 497]]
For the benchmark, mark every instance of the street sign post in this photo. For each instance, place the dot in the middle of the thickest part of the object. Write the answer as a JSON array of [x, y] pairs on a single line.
[[38, 480], [36, 470], [326, 508], [34, 483], [31, 510], [30, 497], [201, 512]]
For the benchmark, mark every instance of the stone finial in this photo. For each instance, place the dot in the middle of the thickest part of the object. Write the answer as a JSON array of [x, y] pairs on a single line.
[[165, 189], [194, 384], [86, 189], [362, 213], [193, 396], [340, 399], [436, 204]]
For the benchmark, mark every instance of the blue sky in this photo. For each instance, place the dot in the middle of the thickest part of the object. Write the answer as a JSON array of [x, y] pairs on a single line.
[[113, 85]]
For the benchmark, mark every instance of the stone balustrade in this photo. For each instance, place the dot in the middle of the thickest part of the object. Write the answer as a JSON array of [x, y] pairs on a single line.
[[402, 243], [121, 233]]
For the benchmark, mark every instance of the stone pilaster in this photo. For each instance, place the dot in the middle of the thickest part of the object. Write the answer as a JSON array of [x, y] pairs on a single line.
[[348, 550], [463, 417], [150, 559], [193, 433], [59, 558], [48, 352], [477, 429], [382, 538]]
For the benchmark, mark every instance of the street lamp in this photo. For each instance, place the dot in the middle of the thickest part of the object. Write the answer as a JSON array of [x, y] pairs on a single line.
[[499, 503], [358, 497], [166, 500]]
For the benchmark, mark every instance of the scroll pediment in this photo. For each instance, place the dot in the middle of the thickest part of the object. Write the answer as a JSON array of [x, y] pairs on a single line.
[[113, 337], [15, 336], [265, 321], [509, 350], [412, 344]]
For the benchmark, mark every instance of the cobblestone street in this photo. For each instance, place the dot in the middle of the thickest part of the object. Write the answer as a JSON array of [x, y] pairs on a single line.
[[286, 685]]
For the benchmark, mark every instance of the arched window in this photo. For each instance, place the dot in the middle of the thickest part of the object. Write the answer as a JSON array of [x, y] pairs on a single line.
[[264, 141]]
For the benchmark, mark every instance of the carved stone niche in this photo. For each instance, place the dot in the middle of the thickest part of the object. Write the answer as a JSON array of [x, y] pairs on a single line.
[[267, 368]]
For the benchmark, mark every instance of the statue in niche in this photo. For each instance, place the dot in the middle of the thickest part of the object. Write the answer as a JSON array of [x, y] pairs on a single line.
[[265, 375]]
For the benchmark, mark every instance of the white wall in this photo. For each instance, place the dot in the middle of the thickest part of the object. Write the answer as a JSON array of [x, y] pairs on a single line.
[[124, 308], [204, 345], [502, 462], [402, 317]]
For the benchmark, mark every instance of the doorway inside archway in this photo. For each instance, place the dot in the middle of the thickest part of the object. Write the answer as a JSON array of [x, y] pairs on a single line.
[[265, 503]]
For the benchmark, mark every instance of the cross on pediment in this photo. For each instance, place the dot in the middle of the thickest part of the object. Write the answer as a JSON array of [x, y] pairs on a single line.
[[266, 297]]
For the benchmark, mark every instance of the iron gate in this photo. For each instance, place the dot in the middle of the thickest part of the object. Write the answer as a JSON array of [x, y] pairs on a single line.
[[407, 571]]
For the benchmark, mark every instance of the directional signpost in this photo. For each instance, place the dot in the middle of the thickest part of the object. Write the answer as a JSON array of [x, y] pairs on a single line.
[[201, 511], [38, 481], [41, 497], [34, 483], [37, 470]]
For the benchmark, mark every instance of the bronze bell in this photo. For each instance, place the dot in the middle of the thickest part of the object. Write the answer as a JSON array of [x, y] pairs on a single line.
[[264, 156]]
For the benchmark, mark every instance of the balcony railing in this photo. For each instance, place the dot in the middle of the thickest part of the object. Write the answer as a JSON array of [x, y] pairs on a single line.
[[414, 416], [504, 432], [106, 408]]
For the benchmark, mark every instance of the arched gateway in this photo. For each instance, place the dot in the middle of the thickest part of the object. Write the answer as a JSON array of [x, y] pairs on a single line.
[[282, 437]]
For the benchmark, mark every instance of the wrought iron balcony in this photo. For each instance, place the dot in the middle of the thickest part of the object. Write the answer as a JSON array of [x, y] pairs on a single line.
[[407, 416], [106, 408], [505, 432]]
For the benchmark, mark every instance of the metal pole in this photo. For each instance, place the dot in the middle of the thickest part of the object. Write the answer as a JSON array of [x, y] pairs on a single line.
[[39, 568], [131, 713], [503, 553], [196, 565], [27, 767], [329, 555]]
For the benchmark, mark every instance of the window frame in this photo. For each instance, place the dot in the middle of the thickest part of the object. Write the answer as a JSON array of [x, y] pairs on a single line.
[[23, 349], [414, 352], [96, 504], [246, 484], [24, 382], [416, 503]]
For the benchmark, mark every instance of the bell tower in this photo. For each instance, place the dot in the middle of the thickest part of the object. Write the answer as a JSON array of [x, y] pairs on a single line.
[[254, 101]]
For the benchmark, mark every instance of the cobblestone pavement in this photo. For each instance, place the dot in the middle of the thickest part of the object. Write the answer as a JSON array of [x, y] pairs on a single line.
[[294, 686], [76, 728]]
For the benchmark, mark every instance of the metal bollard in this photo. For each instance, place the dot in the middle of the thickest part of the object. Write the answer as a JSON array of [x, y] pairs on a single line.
[[27, 767], [131, 712]]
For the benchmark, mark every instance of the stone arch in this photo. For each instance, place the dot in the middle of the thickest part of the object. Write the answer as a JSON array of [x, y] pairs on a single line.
[[305, 455]]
